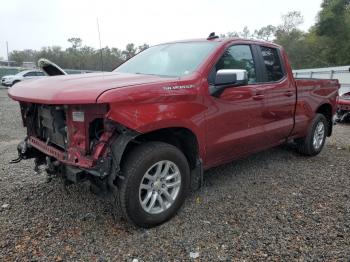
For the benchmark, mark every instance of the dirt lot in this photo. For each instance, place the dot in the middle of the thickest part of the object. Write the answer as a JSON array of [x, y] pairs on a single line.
[[274, 205]]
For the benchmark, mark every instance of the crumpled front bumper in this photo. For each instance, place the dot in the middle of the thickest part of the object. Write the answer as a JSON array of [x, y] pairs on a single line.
[[73, 158]]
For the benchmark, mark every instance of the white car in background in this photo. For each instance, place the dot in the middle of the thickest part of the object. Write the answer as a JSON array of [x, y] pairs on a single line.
[[10, 80]]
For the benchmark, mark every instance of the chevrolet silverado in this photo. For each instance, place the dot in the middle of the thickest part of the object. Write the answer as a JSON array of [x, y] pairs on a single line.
[[146, 131]]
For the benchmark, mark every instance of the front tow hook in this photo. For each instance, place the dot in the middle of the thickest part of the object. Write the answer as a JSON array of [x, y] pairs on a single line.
[[22, 149], [15, 161]]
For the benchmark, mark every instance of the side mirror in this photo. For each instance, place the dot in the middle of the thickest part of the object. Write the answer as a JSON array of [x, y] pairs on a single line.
[[227, 78]]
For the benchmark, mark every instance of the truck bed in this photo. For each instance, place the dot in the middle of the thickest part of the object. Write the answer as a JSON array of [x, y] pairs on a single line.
[[318, 89]]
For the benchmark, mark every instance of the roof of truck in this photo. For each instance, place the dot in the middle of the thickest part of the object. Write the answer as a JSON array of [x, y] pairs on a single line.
[[224, 41]]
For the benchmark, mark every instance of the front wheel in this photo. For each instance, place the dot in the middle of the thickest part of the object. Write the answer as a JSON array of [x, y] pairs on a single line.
[[315, 139], [156, 180]]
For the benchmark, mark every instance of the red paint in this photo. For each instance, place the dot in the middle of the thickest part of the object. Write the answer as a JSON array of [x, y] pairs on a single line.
[[241, 121]]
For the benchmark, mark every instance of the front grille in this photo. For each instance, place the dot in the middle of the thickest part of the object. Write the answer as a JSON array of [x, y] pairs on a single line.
[[52, 126]]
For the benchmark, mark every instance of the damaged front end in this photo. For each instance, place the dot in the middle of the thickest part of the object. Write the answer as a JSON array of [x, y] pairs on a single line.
[[76, 142]]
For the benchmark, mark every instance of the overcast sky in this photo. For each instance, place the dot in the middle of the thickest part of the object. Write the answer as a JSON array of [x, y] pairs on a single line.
[[37, 23]]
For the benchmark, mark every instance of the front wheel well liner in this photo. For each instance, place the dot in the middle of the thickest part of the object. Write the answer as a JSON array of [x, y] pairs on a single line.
[[183, 138], [326, 110]]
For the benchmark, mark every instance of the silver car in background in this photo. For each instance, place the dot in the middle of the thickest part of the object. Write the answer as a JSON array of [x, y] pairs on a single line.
[[10, 80]]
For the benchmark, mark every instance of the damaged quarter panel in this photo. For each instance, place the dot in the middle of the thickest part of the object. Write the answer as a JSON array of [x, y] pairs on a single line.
[[157, 106]]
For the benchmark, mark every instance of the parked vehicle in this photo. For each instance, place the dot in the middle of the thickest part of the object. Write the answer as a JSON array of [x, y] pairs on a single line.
[[10, 80], [146, 131], [343, 111]]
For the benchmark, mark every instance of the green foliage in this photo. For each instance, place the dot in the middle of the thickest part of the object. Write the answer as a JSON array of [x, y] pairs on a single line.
[[265, 33], [333, 29], [143, 47], [325, 44], [290, 22], [75, 41], [78, 56], [129, 51]]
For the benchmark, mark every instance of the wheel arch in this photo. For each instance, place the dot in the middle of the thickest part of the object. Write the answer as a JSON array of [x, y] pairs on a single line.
[[182, 138], [327, 110]]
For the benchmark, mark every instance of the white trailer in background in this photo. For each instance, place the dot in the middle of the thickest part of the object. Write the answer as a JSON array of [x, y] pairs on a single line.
[[342, 73]]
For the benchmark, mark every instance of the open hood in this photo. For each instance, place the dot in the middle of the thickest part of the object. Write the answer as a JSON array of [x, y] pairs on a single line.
[[50, 68]]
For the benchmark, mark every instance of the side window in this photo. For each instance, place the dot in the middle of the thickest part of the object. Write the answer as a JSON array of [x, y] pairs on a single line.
[[40, 74], [30, 74], [272, 63], [236, 57]]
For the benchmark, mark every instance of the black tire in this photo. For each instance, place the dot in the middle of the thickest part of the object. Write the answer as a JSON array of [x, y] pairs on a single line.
[[306, 145], [136, 164]]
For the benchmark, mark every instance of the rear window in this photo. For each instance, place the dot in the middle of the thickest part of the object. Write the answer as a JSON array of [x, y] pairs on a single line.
[[273, 65]]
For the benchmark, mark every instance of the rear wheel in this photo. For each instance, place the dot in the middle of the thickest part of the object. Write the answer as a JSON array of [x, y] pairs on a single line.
[[315, 139], [156, 180]]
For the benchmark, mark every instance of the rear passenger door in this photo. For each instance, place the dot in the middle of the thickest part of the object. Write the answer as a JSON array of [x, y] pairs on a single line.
[[280, 95]]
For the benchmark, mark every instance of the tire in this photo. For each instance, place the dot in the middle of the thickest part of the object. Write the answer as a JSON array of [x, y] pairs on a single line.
[[307, 145], [140, 167]]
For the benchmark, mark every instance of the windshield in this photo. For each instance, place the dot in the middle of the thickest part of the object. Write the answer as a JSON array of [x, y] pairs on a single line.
[[175, 59]]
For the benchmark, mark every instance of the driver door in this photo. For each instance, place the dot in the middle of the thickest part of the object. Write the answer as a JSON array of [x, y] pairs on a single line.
[[235, 121]]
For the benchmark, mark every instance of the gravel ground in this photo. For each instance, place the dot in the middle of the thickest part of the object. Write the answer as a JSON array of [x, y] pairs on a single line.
[[275, 205]]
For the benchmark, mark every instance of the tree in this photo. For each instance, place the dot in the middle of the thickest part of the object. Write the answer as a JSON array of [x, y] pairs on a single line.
[[293, 39], [265, 33], [290, 21], [142, 47], [27, 55], [229, 35], [75, 41], [245, 33], [325, 44], [333, 31], [129, 51]]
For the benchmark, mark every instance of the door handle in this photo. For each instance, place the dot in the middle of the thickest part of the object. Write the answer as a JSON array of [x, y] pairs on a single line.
[[258, 97], [288, 93]]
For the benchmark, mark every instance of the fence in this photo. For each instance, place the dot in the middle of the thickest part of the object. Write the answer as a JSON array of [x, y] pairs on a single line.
[[342, 73]]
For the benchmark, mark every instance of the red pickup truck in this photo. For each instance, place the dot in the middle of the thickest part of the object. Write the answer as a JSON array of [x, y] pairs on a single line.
[[146, 131]]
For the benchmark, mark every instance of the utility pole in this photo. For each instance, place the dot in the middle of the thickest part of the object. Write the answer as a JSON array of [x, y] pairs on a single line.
[[7, 50], [99, 38]]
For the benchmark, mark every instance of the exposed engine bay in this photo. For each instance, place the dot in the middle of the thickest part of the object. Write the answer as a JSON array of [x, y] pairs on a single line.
[[51, 125], [65, 127], [72, 140]]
